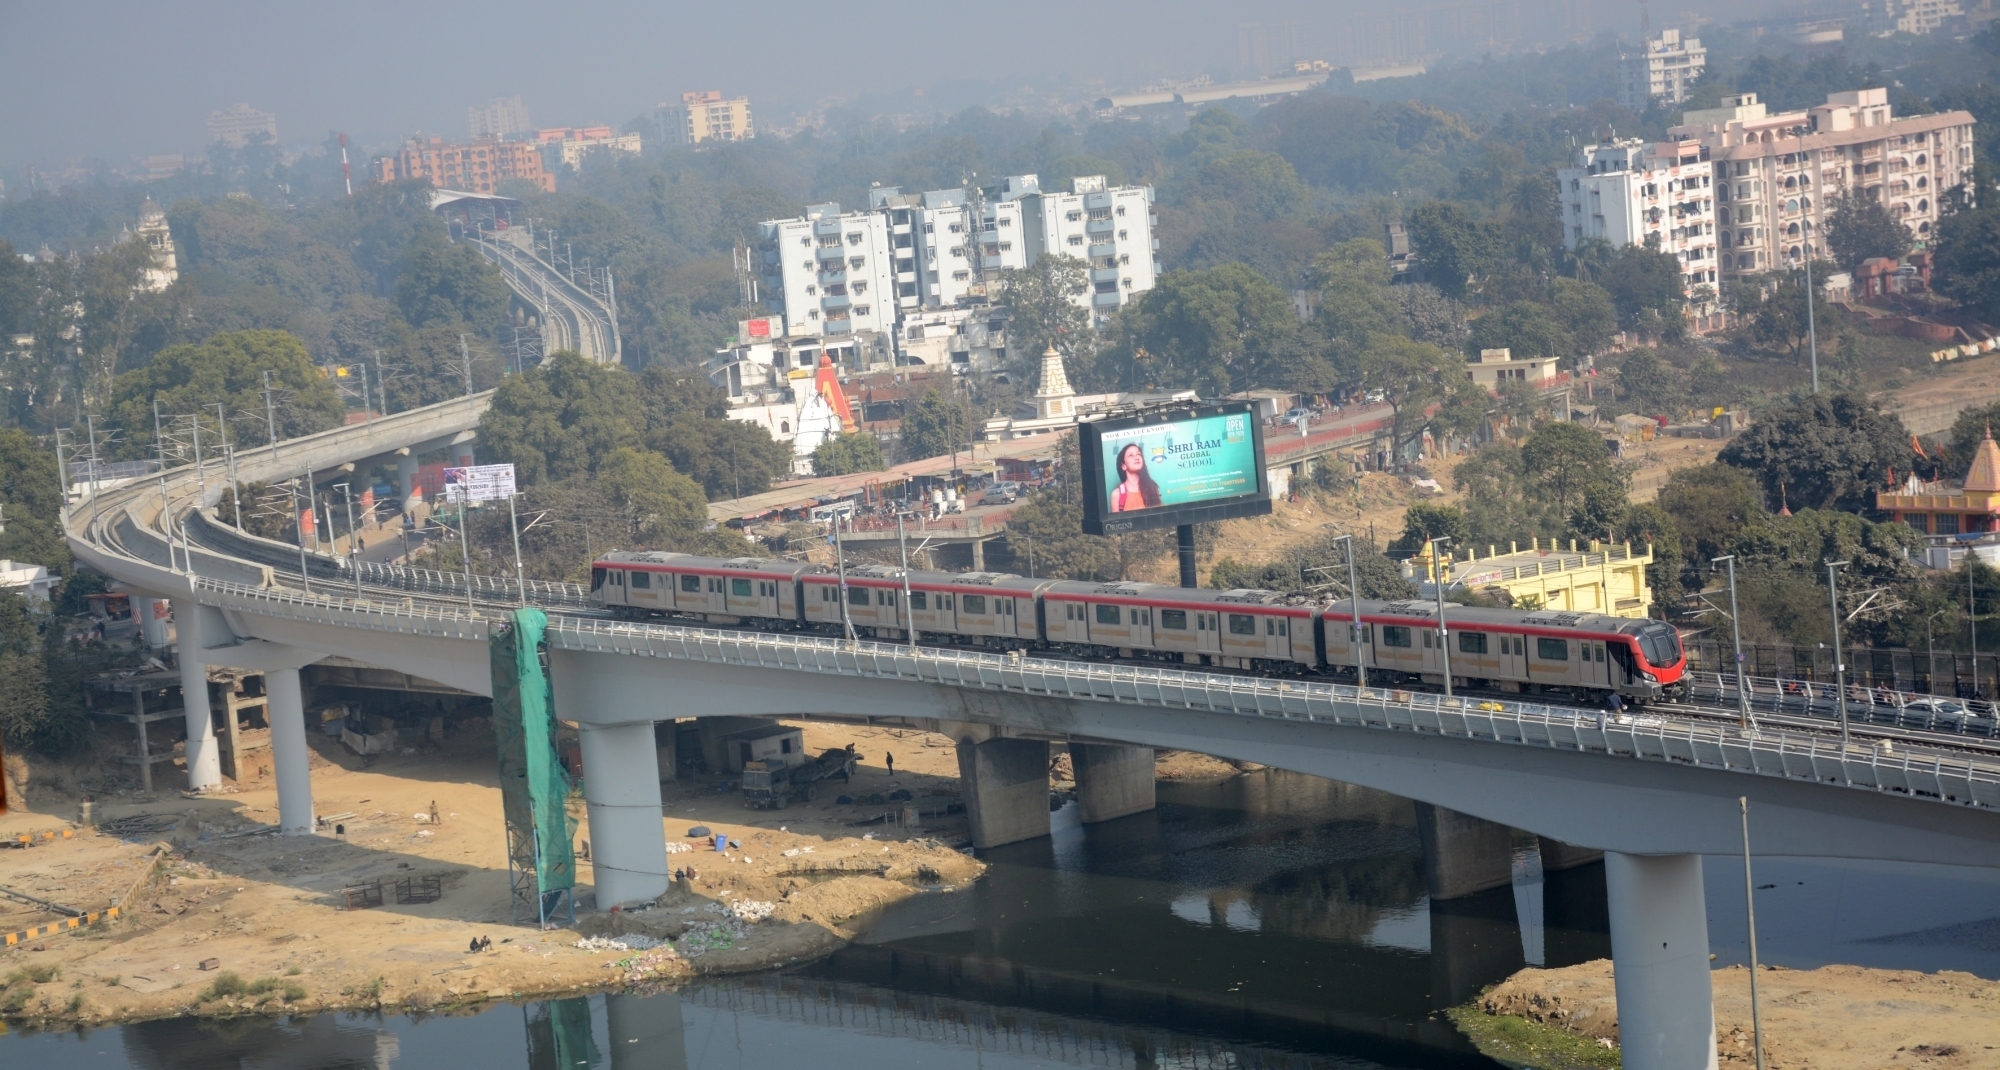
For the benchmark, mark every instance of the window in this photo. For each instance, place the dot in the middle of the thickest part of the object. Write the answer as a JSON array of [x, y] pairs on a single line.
[[1174, 618], [691, 584], [857, 596], [944, 601], [1472, 642], [1142, 616], [1395, 635], [1076, 239], [1107, 614], [739, 588], [642, 580], [1430, 640], [885, 598], [975, 604], [1242, 624], [1552, 649], [596, 578], [1947, 524]]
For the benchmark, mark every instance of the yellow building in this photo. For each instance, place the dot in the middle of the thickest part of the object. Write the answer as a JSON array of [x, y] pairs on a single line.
[[704, 115], [1602, 578], [1944, 508]]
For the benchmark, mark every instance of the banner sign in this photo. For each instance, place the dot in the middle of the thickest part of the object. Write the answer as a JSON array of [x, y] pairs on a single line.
[[479, 483]]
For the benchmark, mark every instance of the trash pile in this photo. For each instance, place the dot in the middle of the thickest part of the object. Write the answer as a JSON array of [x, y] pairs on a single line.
[[641, 967], [675, 847], [628, 942], [706, 936], [753, 909]]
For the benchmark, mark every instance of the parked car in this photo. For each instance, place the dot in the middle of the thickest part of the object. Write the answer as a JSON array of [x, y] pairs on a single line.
[[1940, 712], [1296, 416], [1003, 493]]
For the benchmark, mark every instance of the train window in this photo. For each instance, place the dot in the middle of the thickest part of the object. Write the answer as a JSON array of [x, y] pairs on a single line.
[[1284, 629], [1552, 649], [1270, 626], [1242, 624], [1146, 617], [826, 594], [975, 604], [944, 602], [1007, 607], [1429, 641], [1596, 653], [1201, 622], [1107, 614], [739, 588], [857, 596], [596, 578], [691, 584], [642, 580], [1472, 642], [1174, 618], [919, 600], [1395, 635], [885, 598]]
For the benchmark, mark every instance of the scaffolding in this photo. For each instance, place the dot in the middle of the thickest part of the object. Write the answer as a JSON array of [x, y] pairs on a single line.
[[534, 790]]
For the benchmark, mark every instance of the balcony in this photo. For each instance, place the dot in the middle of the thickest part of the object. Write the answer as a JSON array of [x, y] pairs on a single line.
[[832, 276], [1104, 275], [1105, 300], [1103, 249], [1098, 228], [833, 301], [829, 252]]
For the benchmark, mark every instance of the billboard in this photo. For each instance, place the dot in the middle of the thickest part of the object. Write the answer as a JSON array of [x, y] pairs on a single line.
[[479, 483], [1171, 467]]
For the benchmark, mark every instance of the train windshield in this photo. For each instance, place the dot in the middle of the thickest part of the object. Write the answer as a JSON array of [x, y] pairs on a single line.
[[596, 578], [1661, 644]]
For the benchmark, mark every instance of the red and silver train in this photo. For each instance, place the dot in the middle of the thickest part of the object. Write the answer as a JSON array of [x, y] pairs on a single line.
[[1586, 655]]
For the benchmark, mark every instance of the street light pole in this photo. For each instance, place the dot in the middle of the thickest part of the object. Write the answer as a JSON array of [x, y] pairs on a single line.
[[1443, 633], [1812, 332], [1736, 631], [1354, 629], [353, 556], [909, 607], [1750, 908], [840, 566], [1839, 666]]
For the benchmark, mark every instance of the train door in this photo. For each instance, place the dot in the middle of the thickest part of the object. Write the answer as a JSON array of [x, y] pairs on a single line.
[[1140, 620], [1004, 615], [1513, 657], [1595, 668], [1208, 633], [1278, 638]]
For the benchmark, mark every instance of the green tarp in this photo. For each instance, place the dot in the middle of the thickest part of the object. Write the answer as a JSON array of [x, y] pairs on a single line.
[[533, 786]]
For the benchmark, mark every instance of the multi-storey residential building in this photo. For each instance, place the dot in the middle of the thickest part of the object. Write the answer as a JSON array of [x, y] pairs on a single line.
[[1635, 193], [498, 117], [937, 227], [475, 167], [1885, 17], [1664, 69], [1776, 175], [567, 146], [235, 125], [1109, 228], [833, 273], [701, 116]]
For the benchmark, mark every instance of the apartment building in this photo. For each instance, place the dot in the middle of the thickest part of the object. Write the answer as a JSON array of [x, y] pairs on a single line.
[[937, 230], [498, 117], [1110, 228], [1776, 175], [237, 124], [1664, 69], [833, 273], [703, 115], [569, 146], [1919, 17], [473, 167], [1636, 193]]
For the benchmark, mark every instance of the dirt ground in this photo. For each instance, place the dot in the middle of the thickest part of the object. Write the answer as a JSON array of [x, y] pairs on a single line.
[[1832, 1018], [272, 911], [1930, 403]]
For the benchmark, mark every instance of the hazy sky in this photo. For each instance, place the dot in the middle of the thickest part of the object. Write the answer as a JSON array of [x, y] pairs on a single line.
[[116, 80]]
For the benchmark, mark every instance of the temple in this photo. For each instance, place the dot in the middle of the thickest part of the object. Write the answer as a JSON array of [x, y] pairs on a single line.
[[1941, 507]]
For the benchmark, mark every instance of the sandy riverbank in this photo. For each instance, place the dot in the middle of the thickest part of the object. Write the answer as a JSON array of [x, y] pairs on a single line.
[[1831, 1018]]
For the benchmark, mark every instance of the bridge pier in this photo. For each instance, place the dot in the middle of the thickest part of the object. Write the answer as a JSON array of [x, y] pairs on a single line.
[[1659, 959], [621, 793], [1463, 855], [290, 762], [407, 471], [1112, 781], [1006, 785], [1557, 855], [204, 760]]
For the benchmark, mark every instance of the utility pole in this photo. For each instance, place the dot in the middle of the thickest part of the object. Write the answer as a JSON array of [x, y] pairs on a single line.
[[611, 304], [1437, 572], [353, 554], [840, 566], [229, 456], [909, 607], [1971, 610], [1839, 665], [159, 440], [520, 570], [1354, 633], [1750, 908], [299, 518], [1742, 696], [270, 416]]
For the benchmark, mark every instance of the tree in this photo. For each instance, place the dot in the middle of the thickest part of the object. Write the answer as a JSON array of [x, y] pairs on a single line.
[[1203, 330], [844, 454], [1861, 228], [1652, 524], [1355, 300], [1421, 383], [1565, 462], [1967, 268], [31, 493], [1652, 385], [560, 419], [450, 283], [1710, 505], [1646, 289], [931, 426], [1524, 327], [1431, 317], [687, 421], [1777, 311], [1584, 310], [425, 365], [1825, 451], [664, 504], [1454, 250], [17, 292], [1043, 311], [1422, 523], [228, 368], [1318, 564], [1962, 441]]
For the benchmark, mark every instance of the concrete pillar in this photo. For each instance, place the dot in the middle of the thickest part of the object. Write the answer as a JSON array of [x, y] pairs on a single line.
[[646, 1032], [204, 761], [979, 555], [1659, 961], [1463, 855], [289, 760], [407, 470], [151, 616], [1112, 781], [621, 793], [1559, 855], [1006, 786]]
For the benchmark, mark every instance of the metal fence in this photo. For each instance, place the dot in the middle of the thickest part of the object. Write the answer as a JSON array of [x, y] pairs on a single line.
[[1939, 672]]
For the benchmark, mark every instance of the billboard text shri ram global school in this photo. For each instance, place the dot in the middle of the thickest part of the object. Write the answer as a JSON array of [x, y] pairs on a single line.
[[1185, 462]]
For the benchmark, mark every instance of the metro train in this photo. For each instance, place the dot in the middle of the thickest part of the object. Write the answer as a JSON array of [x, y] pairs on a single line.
[[1585, 655]]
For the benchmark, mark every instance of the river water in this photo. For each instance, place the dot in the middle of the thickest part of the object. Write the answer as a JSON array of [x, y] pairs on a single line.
[[1269, 920]]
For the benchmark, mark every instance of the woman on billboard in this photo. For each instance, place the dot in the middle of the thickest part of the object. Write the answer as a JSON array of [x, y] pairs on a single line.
[[1136, 489]]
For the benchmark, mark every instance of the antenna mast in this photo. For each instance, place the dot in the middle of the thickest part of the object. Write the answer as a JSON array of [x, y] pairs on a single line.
[[346, 172]]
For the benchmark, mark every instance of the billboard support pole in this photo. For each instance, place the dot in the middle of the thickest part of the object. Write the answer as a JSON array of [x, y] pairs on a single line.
[[1185, 535]]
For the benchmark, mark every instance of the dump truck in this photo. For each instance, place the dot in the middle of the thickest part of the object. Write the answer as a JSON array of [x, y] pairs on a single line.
[[772, 785]]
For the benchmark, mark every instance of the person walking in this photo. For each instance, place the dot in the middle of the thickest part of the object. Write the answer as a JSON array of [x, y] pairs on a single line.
[[891, 759]]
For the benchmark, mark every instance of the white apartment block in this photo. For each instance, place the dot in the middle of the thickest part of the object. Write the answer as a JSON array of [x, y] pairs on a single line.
[[1775, 175], [573, 151], [237, 124], [927, 244], [1919, 17], [1635, 193], [1110, 228], [1662, 70], [832, 273]]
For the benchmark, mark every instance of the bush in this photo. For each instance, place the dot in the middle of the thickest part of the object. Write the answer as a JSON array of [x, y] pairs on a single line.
[[226, 984]]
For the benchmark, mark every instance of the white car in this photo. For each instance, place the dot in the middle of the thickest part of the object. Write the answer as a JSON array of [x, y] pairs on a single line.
[[1942, 712]]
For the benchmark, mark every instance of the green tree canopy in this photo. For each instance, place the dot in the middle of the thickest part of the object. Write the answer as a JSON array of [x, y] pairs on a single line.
[[931, 424], [1776, 307], [664, 504], [1652, 385], [1967, 267], [1421, 523], [1204, 330], [1826, 451], [844, 454], [449, 282], [1585, 310], [1526, 327], [687, 421], [1042, 311], [1962, 441], [1424, 386], [560, 419], [1710, 505], [1317, 564], [1454, 249], [1646, 289], [228, 368], [31, 492], [1861, 228], [1566, 464]]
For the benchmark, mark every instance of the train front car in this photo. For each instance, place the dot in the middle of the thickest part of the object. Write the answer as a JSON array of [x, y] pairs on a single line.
[[1659, 663]]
